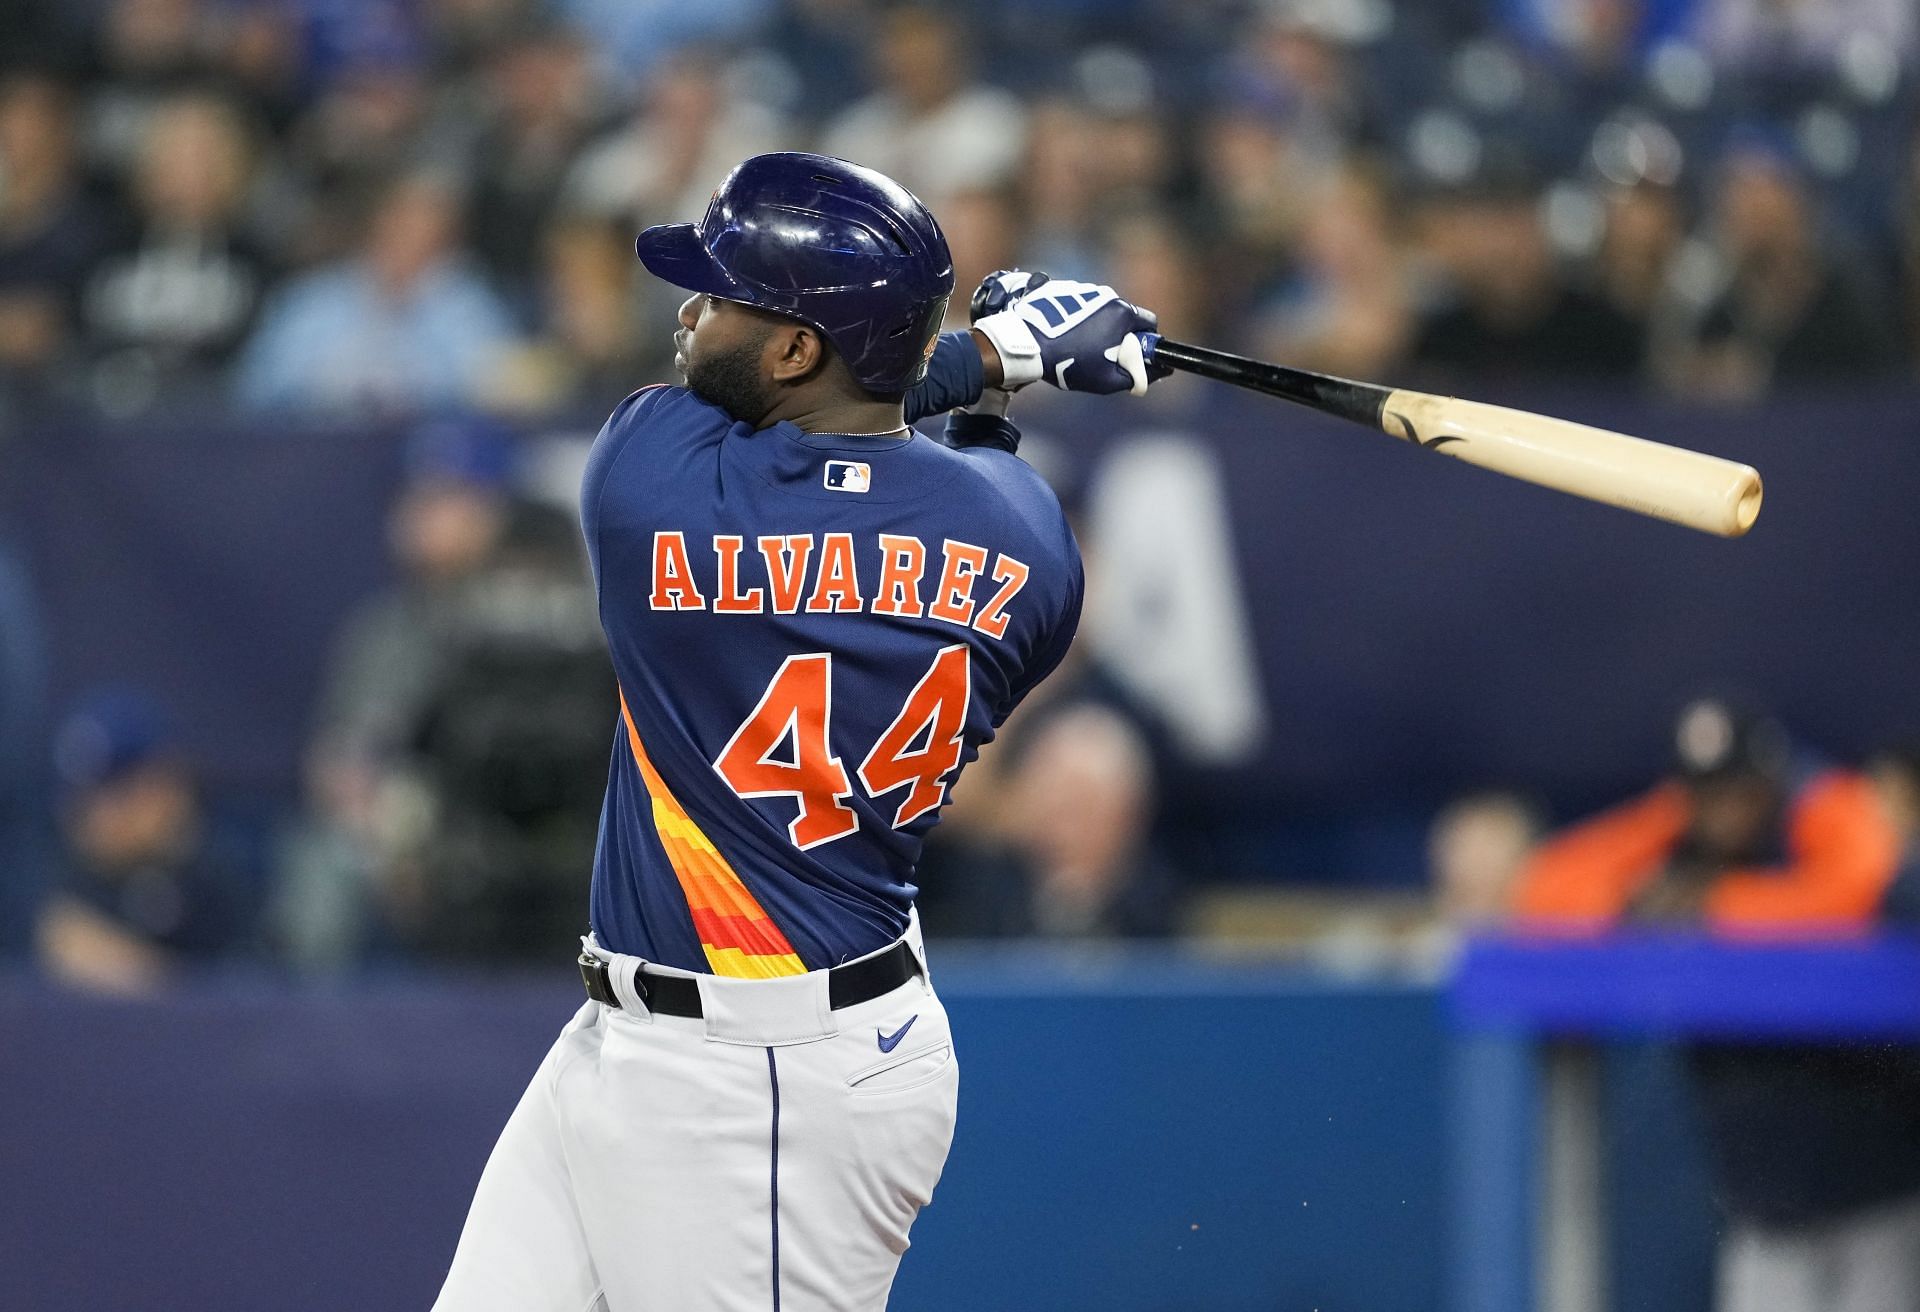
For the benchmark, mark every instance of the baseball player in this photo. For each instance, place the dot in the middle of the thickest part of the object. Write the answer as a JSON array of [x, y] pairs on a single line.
[[816, 618]]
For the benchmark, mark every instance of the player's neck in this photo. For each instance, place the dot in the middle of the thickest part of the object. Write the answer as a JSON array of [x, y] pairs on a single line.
[[841, 415]]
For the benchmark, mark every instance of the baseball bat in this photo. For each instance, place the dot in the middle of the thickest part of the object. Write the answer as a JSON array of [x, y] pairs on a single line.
[[1666, 482]]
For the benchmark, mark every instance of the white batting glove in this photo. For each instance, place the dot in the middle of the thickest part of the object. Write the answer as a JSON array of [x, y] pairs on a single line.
[[1078, 336]]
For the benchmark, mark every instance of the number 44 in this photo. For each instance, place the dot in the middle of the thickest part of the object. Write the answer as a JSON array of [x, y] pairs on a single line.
[[798, 704]]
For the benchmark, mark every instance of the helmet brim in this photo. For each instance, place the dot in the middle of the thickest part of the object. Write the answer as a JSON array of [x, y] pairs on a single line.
[[673, 252]]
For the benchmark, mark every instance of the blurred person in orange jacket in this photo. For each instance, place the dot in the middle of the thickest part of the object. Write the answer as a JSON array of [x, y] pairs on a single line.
[[1896, 774], [1748, 838], [1814, 1147]]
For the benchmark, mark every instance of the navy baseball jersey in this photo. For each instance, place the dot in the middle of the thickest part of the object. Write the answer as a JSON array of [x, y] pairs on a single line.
[[813, 634]]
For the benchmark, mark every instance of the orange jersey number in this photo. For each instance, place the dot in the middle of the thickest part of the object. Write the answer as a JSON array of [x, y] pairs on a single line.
[[795, 714], [937, 711]]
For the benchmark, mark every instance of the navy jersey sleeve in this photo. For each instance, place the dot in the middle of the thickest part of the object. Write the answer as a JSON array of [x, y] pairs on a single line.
[[1060, 639], [607, 448], [955, 376], [1024, 495], [671, 426]]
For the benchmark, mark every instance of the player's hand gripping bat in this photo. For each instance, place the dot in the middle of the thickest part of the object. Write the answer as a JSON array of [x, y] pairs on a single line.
[[1665, 482], [1076, 336]]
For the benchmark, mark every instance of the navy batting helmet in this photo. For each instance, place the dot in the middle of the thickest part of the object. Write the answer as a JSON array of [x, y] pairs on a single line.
[[845, 249]]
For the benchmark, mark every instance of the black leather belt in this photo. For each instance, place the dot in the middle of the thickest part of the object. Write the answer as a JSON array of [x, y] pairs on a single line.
[[676, 995]]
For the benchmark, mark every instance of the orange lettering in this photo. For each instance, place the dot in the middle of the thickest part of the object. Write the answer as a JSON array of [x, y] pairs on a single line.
[[728, 599], [902, 561], [673, 587], [787, 569], [953, 599], [1012, 575], [837, 590]]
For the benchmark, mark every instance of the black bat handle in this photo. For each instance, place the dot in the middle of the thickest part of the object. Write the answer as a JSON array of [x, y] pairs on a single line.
[[1363, 403]]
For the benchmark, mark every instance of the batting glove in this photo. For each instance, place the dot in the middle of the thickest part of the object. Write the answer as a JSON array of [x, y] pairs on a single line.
[[1079, 336]]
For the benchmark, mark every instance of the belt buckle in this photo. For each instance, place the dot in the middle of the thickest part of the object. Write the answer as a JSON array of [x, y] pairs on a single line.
[[594, 974]]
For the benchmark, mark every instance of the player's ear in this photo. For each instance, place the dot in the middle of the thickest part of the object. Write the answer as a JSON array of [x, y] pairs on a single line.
[[796, 353]]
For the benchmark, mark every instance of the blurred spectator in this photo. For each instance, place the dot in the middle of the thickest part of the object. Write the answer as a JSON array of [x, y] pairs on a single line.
[[145, 53], [262, 64], [1476, 849], [662, 165], [1748, 838], [1058, 187], [539, 107], [509, 755], [687, 133], [1799, 34], [465, 33], [1896, 777], [406, 324], [1257, 180], [50, 232], [630, 37], [1083, 793], [23, 774], [171, 303], [1815, 1148], [1772, 305], [983, 232], [928, 126], [1598, 40], [151, 883], [444, 528], [1645, 227], [989, 871], [1132, 156], [377, 118], [819, 42], [1053, 838], [1293, 61], [343, 36], [595, 348], [1345, 308], [1507, 312], [1145, 254]]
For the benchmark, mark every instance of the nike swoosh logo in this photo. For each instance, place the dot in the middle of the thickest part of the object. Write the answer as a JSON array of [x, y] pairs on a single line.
[[888, 1042]]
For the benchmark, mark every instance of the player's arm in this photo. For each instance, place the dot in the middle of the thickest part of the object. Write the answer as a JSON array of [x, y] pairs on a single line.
[[981, 428], [962, 365]]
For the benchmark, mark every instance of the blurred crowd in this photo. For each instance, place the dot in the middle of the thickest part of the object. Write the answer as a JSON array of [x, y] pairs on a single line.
[[402, 204], [423, 212]]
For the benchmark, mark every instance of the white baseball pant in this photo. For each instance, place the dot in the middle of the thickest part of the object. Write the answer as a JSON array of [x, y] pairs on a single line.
[[768, 1157]]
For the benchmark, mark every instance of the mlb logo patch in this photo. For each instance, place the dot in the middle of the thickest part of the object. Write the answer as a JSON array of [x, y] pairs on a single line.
[[848, 476]]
